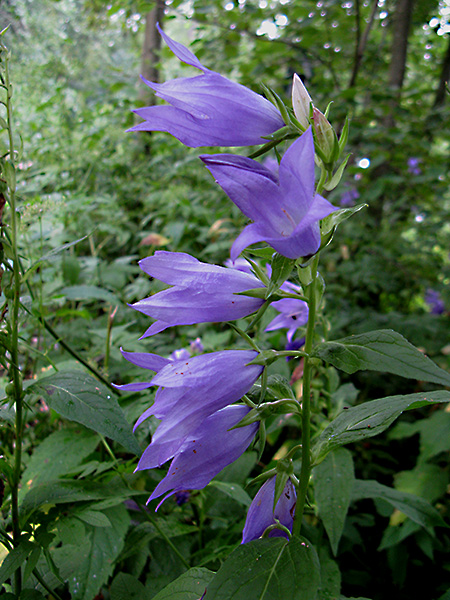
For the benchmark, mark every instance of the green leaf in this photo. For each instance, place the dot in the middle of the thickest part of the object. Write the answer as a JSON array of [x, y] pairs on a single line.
[[87, 567], [417, 509], [189, 586], [81, 398], [233, 490], [281, 269], [434, 435], [333, 483], [268, 569], [32, 561], [15, 559], [383, 350], [94, 518], [330, 577], [57, 455], [127, 587], [67, 491], [369, 419], [89, 292]]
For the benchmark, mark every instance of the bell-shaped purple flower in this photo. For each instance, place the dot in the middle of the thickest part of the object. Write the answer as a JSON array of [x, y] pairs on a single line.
[[208, 110], [201, 292], [209, 449], [190, 390], [284, 208], [261, 514], [293, 314]]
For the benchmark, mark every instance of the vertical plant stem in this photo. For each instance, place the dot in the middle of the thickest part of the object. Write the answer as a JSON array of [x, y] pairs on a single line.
[[306, 402], [14, 370]]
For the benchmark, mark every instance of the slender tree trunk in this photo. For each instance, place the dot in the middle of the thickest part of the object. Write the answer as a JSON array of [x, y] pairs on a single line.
[[149, 63], [401, 26], [150, 51]]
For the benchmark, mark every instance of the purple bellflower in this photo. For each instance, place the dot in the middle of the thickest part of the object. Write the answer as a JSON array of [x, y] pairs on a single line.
[[190, 391], [207, 450], [293, 314], [284, 208], [209, 109], [201, 293], [261, 514]]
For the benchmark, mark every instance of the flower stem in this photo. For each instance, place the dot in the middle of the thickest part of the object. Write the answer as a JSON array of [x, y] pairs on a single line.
[[14, 370], [306, 403]]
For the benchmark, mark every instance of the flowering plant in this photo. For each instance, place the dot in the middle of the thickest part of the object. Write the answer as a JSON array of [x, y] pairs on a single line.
[[214, 405]]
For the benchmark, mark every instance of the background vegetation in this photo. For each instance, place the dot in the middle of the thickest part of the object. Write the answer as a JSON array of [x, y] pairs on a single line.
[[75, 70]]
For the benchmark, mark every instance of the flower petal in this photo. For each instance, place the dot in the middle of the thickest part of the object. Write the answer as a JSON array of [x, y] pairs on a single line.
[[260, 514], [210, 449]]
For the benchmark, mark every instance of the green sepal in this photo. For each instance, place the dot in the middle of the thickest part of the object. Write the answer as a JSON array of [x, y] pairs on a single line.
[[266, 357], [304, 275], [285, 468], [261, 440], [254, 293], [281, 269], [344, 134], [266, 410], [330, 185], [336, 218], [275, 99]]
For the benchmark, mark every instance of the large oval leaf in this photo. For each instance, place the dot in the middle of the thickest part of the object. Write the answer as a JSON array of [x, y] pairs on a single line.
[[81, 398], [268, 569]]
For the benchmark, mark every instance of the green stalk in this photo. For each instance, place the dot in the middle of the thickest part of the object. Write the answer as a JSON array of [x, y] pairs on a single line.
[[14, 348], [306, 403]]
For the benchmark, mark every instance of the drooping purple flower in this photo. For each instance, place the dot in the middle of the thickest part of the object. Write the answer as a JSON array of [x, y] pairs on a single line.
[[261, 514], [434, 301], [293, 314], [208, 450], [190, 390], [201, 292], [284, 208], [208, 110]]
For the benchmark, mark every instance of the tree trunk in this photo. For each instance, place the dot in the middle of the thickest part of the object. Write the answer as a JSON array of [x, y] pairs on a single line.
[[150, 51], [401, 26]]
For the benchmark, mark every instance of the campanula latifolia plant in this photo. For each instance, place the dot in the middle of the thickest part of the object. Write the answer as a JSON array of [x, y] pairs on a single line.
[[212, 406]]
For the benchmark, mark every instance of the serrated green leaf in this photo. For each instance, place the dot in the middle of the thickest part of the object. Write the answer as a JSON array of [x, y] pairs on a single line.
[[81, 398], [369, 419], [87, 567], [189, 586], [56, 455], [333, 484], [383, 350], [417, 509], [268, 569]]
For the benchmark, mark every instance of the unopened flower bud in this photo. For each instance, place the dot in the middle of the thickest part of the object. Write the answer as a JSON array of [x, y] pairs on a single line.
[[301, 102], [326, 140]]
